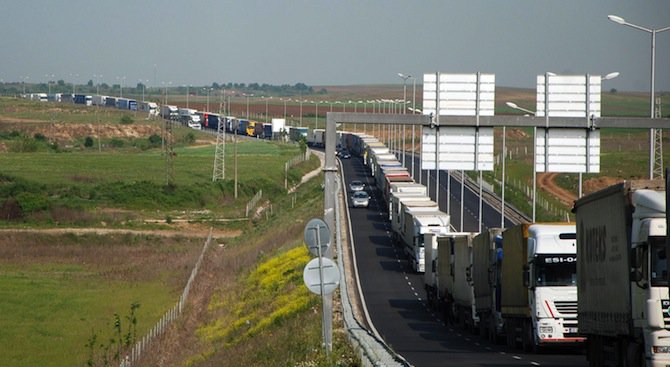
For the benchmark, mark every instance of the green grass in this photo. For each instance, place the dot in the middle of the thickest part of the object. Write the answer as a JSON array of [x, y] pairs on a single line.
[[46, 320], [57, 292]]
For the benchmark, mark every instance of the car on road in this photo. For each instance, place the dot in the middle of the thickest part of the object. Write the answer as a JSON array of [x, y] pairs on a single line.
[[360, 199], [356, 185], [345, 154]]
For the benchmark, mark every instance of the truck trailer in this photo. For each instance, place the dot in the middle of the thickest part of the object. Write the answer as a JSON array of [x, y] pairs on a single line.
[[169, 112], [415, 226], [624, 307], [486, 269]]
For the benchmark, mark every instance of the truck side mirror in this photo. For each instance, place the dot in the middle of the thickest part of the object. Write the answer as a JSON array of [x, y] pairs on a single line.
[[526, 276], [635, 275]]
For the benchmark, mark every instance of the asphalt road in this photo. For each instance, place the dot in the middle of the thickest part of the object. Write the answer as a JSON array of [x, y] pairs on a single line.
[[395, 296]]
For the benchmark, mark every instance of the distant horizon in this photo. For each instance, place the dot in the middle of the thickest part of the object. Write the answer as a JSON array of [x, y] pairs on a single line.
[[658, 93], [325, 43]]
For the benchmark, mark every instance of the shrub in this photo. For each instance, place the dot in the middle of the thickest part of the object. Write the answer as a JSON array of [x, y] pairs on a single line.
[[88, 142], [23, 145], [116, 143], [11, 210], [31, 202], [155, 140], [126, 120], [40, 137], [189, 138]]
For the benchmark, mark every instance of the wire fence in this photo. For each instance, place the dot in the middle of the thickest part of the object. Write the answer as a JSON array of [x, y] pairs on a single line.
[[252, 203], [144, 344]]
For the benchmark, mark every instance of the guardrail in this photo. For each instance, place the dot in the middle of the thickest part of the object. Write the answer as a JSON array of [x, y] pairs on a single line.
[[370, 348]]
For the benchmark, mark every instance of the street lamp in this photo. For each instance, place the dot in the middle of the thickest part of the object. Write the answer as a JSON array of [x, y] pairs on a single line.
[[652, 110], [248, 95], [97, 83], [514, 106], [208, 90]]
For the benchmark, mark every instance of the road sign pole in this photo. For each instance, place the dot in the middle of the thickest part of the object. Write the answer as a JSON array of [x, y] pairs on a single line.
[[324, 323], [330, 175]]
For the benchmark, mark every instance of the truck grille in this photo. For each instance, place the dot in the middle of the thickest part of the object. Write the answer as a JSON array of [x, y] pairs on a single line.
[[665, 304], [566, 308]]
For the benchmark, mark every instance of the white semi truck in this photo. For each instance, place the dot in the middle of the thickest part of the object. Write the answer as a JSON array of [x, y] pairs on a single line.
[[415, 226], [169, 112], [539, 285], [624, 305]]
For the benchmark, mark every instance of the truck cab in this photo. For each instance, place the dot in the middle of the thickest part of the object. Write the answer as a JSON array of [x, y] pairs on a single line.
[[552, 283], [649, 275]]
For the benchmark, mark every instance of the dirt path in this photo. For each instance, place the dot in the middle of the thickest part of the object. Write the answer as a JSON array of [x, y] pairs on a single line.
[[545, 182], [190, 232]]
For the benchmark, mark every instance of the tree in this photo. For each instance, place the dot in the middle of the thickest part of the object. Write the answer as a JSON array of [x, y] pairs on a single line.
[[90, 83], [61, 83], [215, 85]]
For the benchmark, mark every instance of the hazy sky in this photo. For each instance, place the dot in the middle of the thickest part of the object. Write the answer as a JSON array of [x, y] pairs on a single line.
[[330, 42]]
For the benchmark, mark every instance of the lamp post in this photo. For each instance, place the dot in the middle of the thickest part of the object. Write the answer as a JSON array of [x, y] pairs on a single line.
[[208, 91], [300, 112], [652, 110], [97, 83], [187, 93], [316, 116], [248, 95]]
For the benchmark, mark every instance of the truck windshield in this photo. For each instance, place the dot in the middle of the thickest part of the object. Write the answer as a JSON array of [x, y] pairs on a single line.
[[555, 270], [659, 264]]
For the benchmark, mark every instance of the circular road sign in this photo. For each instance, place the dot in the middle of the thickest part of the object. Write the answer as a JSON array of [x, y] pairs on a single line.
[[317, 233], [312, 278]]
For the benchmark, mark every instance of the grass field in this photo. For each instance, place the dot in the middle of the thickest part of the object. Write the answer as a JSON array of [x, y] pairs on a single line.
[[59, 290], [56, 291]]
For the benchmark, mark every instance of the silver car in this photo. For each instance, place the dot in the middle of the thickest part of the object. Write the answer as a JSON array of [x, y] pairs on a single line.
[[360, 199], [356, 185]]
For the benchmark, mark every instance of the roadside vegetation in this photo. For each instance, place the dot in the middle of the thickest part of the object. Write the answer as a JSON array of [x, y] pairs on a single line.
[[128, 240], [78, 168]]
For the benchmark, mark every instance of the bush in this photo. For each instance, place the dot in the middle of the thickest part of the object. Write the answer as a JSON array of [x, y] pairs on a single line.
[[126, 120], [189, 138], [11, 210], [155, 140], [31, 202], [116, 143], [40, 137], [23, 145], [88, 142]]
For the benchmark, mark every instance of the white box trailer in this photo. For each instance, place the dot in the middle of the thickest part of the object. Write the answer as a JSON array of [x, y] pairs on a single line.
[[397, 196], [99, 100], [455, 290], [169, 112], [416, 225], [486, 270], [411, 206], [395, 207], [150, 108]]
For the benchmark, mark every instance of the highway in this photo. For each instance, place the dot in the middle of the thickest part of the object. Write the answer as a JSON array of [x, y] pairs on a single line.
[[395, 296]]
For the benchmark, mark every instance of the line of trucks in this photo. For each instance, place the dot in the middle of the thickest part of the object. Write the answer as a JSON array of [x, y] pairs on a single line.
[[600, 283], [277, 129]]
